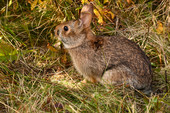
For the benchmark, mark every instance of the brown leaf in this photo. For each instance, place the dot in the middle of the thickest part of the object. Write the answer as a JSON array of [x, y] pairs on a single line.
[[64, 58]]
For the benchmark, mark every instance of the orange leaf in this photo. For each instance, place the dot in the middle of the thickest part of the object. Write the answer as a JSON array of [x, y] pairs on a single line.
[[159, 28], [129, 1], [51, 48], [112, 15]]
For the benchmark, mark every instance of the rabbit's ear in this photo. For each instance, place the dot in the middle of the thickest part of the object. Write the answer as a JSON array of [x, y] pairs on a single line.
[[86, 15]]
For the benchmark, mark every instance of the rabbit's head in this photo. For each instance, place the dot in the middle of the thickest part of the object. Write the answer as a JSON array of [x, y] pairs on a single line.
[[73, 33]]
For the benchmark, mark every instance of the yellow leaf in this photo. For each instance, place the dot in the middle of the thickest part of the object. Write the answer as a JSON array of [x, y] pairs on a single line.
[[10, 2], [105, 1], [84, 1], [100, 18], [99, 9], [2, 10], [40, 2], [159, 28], [33, 4], [112, 15], [29, 1]]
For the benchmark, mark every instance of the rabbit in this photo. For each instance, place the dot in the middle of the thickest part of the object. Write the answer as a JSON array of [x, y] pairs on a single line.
[[104, 59]]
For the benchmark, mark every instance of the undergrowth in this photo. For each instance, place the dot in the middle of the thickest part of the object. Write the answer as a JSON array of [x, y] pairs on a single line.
[[36, 73]]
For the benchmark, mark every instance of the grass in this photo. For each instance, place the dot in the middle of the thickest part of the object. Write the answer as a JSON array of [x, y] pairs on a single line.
[[36, 77]]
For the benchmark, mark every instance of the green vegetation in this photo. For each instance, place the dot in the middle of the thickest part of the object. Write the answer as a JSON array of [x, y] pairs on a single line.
[[36, 73]]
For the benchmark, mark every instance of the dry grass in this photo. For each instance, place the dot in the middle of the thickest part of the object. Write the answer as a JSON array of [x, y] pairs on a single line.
[[35, 77]]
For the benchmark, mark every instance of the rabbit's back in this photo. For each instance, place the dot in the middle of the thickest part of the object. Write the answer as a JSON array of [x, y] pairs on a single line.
[[123, 53], [120, 50]]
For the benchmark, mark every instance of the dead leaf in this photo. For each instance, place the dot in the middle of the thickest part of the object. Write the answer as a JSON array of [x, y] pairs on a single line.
[[159, 28], [51, 48], [33, 4], [112, 15], [160, 58], [106, 1], [99, 9], [100, 18], [10, 2], [42, 4], [84, 1], [129, 1], [109, 13], [64, 59]]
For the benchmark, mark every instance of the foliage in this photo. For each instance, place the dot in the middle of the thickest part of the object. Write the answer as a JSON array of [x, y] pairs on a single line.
[[36, 73]]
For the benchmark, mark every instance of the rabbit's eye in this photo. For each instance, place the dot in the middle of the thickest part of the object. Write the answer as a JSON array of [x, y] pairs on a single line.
[[65, 28]]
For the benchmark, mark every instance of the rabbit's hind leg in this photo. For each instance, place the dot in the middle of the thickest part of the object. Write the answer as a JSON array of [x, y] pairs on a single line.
[[123, 75], [116, 75]]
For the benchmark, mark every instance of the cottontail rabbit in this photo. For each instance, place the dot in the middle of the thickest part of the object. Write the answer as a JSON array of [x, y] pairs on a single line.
[[104, 59]]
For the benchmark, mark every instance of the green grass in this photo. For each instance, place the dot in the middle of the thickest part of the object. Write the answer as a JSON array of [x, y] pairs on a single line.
[[36, 77]]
